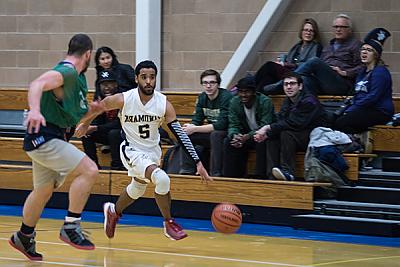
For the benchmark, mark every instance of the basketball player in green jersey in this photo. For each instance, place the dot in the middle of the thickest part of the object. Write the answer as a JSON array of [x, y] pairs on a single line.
[[57, 101]]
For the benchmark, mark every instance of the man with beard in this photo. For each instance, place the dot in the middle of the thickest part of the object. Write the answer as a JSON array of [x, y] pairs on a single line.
[[142, 111], [57, 101]]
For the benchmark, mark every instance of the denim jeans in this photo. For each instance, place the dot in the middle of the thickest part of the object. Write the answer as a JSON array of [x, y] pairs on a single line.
[[320, 78]]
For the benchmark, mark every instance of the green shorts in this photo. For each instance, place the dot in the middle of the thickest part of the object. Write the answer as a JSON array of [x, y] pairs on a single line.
[[53, 161]]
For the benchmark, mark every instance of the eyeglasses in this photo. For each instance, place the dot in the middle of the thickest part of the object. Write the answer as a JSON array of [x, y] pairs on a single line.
[[212, 83], [286, 84], [340, 27], [308, 30], [370, 50]]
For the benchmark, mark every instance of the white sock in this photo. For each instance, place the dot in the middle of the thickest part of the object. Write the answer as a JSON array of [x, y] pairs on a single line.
[[71, 219]]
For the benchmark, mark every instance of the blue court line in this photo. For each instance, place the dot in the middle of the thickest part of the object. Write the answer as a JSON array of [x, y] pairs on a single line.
[[204, 225]]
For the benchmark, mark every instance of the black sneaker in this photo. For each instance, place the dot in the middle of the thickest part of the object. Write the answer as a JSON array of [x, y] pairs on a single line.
[[26, 244], [72, 233], [282, 175]]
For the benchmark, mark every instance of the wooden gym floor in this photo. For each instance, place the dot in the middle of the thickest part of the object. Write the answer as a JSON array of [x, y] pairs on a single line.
[[144, 246]]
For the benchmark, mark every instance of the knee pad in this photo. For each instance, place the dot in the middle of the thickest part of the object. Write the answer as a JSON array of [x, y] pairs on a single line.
[[161, 180], [135, 189]]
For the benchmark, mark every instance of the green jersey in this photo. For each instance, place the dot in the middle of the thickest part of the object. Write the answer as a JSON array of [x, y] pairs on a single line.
[[68, 111], [213, 111]]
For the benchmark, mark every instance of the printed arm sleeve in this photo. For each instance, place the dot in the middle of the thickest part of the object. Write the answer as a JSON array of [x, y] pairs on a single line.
[[183, 139]]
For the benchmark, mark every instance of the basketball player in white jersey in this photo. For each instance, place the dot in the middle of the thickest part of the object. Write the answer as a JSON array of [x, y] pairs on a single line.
[[142, 111]]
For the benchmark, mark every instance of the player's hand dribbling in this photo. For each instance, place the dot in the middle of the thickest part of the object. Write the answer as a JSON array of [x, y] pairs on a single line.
[[34, 120], [81, 130], [203, 173]]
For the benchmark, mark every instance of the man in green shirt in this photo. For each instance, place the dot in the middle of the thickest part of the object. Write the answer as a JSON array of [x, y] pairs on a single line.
[[57, 101], [209, 124], [248, 112]]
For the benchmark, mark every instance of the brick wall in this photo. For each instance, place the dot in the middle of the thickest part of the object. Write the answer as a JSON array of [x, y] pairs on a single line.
[[365, 14], [34, 34]]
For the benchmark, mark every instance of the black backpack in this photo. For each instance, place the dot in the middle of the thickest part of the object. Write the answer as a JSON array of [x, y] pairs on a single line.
[[172, 160]]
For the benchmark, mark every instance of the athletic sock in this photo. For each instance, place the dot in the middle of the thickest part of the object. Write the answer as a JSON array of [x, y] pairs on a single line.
[[72, 217], [27, 230]]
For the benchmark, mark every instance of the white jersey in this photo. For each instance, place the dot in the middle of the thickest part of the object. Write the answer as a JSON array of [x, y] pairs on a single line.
[[141, 122]]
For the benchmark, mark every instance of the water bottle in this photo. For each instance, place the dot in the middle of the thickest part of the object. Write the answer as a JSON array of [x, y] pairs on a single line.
[[25, 117], [282, 58]]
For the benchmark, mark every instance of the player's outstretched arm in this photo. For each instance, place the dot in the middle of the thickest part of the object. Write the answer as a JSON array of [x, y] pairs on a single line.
[[183, 139], [96, 108]]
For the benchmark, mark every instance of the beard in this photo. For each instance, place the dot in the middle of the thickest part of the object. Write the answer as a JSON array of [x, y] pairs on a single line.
[[147, 90], [87, 63]]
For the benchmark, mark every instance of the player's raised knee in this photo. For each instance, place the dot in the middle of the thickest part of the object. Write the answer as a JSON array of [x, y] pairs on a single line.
[[161, 180], [88, 167], [135, 189]]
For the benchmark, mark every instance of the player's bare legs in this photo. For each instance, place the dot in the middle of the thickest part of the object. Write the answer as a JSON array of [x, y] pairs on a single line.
[[85, 174], [164, 204], [35, 203], [172, 230], [124, 201], [112, 212]]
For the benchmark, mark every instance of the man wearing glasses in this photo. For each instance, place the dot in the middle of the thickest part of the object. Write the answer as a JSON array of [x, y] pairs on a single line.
[[300, 113], [334, 72], [209, 123]]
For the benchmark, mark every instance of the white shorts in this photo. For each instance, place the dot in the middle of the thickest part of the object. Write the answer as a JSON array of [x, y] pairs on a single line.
[[53, 161], [136, 161]]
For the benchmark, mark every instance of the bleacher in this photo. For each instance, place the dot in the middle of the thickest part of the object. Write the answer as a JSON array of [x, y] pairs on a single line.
[[260, 199], [184, 104]]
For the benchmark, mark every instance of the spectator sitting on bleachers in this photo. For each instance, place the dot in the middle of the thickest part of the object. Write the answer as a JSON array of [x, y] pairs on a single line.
[[106, 128], [372, 103], [300, 113], [106, 59], [335, 71], [212, 108], [308, 47], [248, 111]]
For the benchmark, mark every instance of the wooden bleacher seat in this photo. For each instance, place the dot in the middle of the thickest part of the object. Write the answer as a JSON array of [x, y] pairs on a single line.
[[278, 194], [19, 176], [184, 102], [11, 150], [385, 138]]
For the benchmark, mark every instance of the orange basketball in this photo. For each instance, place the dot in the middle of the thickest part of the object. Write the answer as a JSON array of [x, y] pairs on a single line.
[[226, 218]]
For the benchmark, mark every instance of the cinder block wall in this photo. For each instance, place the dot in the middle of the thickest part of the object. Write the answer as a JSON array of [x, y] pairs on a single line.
[[365, 14], [197, 34], [34, 34], [202, 34]]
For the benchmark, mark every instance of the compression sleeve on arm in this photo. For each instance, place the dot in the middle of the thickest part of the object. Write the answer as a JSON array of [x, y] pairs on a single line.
[[183, 139]]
